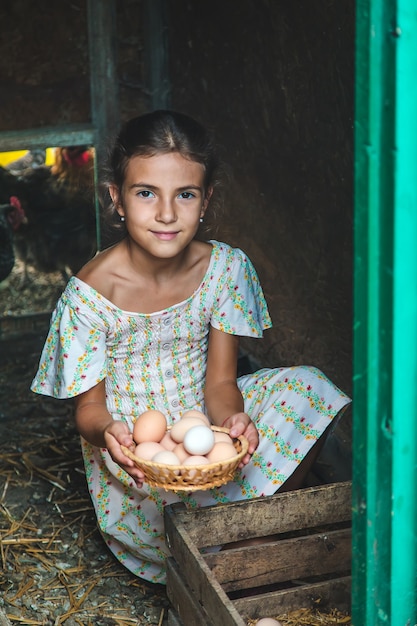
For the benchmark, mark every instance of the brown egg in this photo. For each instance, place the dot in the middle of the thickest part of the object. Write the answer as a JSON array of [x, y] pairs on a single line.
[[195, 413], [180, 428], [221, 451], [193, 460], [181, 452], [167, 442], [196, 459], [166, 457], [150, 426], [147, 449], [219, 436]]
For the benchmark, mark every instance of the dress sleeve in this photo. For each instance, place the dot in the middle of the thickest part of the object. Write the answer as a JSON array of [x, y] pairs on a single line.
[[240, 308], [74, 355]]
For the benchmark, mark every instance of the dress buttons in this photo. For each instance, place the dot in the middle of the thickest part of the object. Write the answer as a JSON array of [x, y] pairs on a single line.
[[165, 346], [169, 373], [167, 321], [175, 403]]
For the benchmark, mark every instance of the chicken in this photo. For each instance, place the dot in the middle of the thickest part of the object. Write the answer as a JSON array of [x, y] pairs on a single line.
[[11, 217], [59, 232], [33, 158]]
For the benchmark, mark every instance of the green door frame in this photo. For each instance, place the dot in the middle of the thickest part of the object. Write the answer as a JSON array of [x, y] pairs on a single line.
[[384, 585]]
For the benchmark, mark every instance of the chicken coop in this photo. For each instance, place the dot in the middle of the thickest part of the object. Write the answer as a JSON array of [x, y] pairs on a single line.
[[306, 103]]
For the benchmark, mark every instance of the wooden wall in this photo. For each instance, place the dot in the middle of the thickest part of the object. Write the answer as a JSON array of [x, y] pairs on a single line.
[[274, 79]]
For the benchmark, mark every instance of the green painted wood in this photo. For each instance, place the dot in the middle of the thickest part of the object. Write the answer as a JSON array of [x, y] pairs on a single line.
[[404, 451], [385, 317], [372, 442]]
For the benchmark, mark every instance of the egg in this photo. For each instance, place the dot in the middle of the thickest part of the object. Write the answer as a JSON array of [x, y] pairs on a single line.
[[268, 621], [196, 459], [221, 451], [166, 457], [149, 426], [167, 442], [195, 413], [181, 452], [220, 436], [147, 450], [193, 460], [180, 428], [199, 440]]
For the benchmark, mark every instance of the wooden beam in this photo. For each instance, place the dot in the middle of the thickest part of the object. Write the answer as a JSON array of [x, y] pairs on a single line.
[[47, 137]]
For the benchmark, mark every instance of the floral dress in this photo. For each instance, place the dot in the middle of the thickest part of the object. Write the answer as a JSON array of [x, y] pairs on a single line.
[[158, 361]]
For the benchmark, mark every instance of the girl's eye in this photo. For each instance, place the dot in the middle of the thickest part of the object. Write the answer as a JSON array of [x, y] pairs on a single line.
[[145, 193], [187, 195]]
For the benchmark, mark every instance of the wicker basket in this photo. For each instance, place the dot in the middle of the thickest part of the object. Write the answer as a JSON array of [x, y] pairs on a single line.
[[192, 477]]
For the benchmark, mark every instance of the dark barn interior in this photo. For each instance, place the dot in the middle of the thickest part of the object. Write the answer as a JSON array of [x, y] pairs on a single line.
[[274, 80]]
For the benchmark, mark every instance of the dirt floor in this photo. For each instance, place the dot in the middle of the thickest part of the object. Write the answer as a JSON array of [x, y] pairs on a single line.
[[55, 566]]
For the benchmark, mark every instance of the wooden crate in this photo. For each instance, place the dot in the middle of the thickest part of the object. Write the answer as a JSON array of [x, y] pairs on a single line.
[[305, 561]]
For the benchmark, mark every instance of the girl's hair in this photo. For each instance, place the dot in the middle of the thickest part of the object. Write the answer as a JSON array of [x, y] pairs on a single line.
[[161, 132]]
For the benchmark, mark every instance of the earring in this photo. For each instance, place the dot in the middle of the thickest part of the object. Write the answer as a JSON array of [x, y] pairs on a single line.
[[201, 220], [122, 218]]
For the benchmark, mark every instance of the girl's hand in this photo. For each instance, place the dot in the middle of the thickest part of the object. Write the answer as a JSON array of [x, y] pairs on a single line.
[[117, 434], [241, 424]]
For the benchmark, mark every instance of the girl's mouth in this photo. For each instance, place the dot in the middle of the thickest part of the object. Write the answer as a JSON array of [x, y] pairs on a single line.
[[165, 236]]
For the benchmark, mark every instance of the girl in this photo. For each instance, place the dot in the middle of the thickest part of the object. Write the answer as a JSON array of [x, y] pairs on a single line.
[[153, 322]]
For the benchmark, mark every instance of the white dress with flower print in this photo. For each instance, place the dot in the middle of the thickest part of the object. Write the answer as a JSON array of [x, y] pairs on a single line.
[[158, 361]]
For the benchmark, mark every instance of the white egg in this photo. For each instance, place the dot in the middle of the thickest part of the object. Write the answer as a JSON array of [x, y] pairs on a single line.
[[199, 440], [268, 621]]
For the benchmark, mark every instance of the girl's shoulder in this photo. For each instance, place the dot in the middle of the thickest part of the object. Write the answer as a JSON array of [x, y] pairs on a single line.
[[97, 273]]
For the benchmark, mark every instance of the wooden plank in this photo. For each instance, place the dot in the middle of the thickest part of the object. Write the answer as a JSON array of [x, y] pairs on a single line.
[[47, 137], [280, 513], [206, 589], [173, 619], [324, 595], [315, 540], [283, 560], [188, 610]]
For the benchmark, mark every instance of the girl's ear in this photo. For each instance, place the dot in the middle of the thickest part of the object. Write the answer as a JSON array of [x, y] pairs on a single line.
[[206, 200], [115, 196]]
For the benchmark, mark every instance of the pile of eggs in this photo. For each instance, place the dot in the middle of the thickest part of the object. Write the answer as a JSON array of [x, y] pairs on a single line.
[[190, 441]]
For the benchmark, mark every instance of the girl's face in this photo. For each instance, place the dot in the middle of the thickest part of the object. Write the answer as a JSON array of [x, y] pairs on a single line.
[[162, 200]]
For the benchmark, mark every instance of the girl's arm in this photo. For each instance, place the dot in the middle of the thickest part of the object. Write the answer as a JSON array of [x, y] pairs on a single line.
[[96, 425], [222, 396]]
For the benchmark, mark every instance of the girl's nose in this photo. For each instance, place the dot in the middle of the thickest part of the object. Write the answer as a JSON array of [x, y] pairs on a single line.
[[166, 211]]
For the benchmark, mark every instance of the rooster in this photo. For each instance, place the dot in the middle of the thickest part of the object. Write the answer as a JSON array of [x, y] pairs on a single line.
[[59, 232], [11, 217]]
